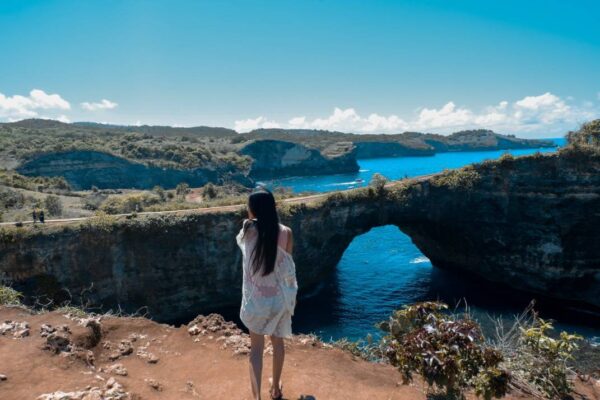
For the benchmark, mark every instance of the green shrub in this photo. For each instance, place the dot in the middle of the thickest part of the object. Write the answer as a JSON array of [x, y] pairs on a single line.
[[587, 135], [9, 296], [53, 205], [449, 353], [209, 191], [35, 183], [182, 189], [539, 361], [134, 202], [463, 178], [160, 192], [101, 221], [378, 182]]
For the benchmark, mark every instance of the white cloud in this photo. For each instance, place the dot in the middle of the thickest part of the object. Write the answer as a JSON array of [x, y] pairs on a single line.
[[540, 115], [447, 116], [103, 104], [247, 125], [349, 120], [19, 107]]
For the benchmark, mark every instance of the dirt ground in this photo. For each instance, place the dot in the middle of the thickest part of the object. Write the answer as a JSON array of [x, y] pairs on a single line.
[[147, 360]]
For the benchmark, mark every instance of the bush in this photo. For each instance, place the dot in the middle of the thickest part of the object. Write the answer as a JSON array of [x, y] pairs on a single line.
[[134, 202], [160, 192], [378, 182], [449, 353], [9, 296], [11, 198], [94, 200], [587, 135], [463, 178], [53, 205], [209, 191], [539, 362], [182, 189]]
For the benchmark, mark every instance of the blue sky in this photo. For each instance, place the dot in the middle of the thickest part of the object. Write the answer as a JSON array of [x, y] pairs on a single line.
[[530, 68]]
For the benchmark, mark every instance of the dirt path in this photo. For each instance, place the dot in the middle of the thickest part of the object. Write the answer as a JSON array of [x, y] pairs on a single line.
[[292, 200]]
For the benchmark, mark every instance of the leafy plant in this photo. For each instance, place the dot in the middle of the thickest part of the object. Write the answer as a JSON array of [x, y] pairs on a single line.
[[449, 353], [539, 361]]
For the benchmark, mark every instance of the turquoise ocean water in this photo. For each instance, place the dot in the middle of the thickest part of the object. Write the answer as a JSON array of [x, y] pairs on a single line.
[[383, 270]]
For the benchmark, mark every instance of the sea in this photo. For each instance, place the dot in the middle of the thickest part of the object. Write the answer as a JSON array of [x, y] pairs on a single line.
[[382, 270]]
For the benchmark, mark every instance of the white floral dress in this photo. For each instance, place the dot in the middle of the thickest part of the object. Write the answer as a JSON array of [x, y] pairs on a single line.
[[268, 302]]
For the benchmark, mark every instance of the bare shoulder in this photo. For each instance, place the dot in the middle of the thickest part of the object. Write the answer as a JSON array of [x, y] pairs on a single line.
[[286, 229]]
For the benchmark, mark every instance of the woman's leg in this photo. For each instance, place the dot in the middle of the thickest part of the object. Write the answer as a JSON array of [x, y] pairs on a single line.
[[278, 358], [257, 344]]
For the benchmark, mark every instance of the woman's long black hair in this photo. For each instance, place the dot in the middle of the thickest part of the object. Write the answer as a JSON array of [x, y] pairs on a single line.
[[262, 205]]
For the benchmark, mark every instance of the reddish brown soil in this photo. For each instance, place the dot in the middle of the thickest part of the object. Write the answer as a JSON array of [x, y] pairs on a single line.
[[190, 367]]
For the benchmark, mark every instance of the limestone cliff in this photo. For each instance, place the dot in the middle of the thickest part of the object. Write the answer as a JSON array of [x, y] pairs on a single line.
[[530, 223], [84, 169], [275, 159]]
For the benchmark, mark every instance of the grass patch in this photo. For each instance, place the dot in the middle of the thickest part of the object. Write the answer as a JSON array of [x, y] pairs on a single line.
[[457, 179]]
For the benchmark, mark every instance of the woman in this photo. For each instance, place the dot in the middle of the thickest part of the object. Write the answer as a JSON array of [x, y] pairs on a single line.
[[269, 286]]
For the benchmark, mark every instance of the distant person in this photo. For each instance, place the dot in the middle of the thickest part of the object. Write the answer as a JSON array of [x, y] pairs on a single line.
[[34, 216], [42, 220], [269, 286]]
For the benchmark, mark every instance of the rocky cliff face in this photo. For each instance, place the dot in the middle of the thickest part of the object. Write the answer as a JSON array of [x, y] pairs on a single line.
[[275, 159], [481, 140], [530, 223], [84, 169]]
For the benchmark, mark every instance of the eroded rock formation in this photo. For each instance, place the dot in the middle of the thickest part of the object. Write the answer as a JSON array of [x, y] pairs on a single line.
[[275, 159], [530, 223], [84, 169]]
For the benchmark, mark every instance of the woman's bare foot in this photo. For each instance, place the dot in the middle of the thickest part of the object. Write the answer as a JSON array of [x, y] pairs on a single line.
[[275, 391]]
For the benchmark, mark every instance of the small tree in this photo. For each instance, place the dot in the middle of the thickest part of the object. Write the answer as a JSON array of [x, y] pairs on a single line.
[[182, 189], [53, 205], [160, 193], [209, 191], [378, 182]]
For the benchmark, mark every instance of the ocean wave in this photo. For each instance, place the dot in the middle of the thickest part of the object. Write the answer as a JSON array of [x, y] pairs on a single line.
[[343, 183], [419, 260]]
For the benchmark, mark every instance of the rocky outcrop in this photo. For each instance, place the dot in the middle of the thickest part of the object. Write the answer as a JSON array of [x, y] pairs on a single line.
[[530, 223], [482, 140], [84, 169], [276, 159]]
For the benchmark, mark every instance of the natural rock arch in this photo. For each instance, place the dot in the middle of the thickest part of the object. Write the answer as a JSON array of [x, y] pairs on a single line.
[[530, 223]]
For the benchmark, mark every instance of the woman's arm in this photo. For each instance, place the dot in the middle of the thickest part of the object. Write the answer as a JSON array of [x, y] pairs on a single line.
[[290, 242]]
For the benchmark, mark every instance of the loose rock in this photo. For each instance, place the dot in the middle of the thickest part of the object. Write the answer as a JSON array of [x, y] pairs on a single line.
[[18, 330], [112, 390], [117, 369], [154, 384]]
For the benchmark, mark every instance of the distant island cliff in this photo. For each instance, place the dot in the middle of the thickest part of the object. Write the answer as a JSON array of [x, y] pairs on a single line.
[[110, 156]]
